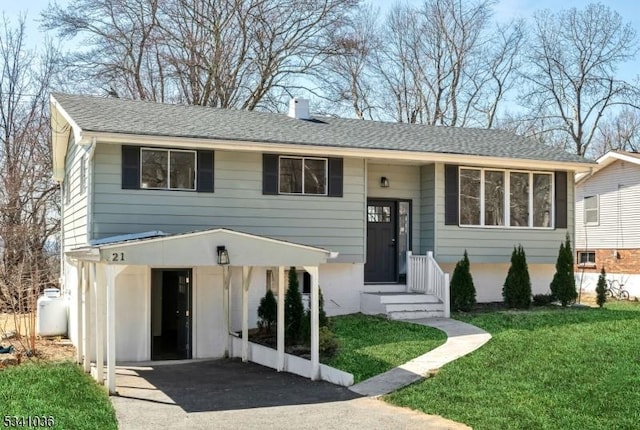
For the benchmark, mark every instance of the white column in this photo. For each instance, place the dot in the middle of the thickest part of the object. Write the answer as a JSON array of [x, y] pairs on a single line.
[[98, 292], [112, 272], [79, 312], [315, 323], [88, 322], [226, 306], [246, 280], [280, 318]]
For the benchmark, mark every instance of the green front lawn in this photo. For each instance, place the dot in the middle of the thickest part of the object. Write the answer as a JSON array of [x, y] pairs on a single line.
[[371, 345], [58, 390], [543, 369]]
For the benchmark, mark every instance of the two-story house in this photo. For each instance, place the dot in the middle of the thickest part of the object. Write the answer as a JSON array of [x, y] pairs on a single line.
[[159, 198]]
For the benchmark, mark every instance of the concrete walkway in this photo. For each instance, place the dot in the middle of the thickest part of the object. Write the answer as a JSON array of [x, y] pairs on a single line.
[[462, 338]]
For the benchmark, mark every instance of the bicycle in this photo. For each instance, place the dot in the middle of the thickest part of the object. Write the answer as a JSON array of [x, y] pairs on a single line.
[[616, 290]]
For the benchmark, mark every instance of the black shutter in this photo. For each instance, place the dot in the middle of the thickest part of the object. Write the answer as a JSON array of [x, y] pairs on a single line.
[[561, 199], [205, 171], [335, 177], [130, 167], [450, 194], [269, 174]]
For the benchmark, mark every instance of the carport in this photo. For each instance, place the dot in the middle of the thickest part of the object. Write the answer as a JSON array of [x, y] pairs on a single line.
[[99, 265]]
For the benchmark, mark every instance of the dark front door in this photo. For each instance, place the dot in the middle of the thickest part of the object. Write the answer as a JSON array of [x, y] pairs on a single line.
[[170, 314], [381, 265]]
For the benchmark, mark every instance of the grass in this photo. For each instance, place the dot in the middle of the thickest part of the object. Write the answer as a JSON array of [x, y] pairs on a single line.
[[371, 345], [543, 369], [60, 390]]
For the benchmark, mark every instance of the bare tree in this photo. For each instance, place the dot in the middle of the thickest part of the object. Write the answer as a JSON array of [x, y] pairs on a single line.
[[223, 53], [347, 78], [28, 205], [618, 132], [442, 64], [571, 79]]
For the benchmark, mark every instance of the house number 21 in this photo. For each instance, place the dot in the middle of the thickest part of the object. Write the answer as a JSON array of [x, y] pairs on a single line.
[[117, 256]]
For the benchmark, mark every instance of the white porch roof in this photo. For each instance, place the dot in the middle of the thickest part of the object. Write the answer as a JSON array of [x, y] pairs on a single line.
[[200, 249]]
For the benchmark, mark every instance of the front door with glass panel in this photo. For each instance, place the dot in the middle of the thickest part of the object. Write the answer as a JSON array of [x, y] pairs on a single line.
[[387, 240]]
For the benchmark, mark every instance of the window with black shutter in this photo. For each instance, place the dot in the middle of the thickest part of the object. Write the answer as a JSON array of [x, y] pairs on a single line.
[[167, 169], [290, 174]]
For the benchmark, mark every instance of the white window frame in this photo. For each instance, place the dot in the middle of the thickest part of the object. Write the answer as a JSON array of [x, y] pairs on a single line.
[[587, 263], [169, 151], [585, 210], [326, 175], [507, 196]]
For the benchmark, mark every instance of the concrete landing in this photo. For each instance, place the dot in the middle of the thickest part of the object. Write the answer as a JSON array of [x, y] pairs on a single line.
[[462, 339]]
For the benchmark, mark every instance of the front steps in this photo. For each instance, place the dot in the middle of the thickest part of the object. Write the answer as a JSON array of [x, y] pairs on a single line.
[[401, 305]]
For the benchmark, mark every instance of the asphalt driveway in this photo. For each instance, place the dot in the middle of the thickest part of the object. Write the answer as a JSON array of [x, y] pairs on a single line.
[[229, 394]]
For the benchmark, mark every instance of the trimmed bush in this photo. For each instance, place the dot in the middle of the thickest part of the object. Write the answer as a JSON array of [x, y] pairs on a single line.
[[517, 287], [305, 327], [293, 308], [329, 342], [543, 299], [601, 288], [268, 310], [563, 285], [463, 292]]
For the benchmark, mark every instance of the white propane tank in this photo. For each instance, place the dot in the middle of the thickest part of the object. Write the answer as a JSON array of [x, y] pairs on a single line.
[[51, 319]]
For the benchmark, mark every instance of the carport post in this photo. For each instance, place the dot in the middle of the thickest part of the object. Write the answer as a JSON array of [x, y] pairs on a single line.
[[315, 329], [246, 280], [88, 348], [280, 318], [112, 272], [79, 311], [226, 304], [98, 283]]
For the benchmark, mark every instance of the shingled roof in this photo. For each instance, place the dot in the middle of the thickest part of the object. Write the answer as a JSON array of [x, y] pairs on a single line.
[[113, 115]]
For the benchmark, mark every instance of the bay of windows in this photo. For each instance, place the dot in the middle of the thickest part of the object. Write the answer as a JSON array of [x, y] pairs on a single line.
[[492, 197]]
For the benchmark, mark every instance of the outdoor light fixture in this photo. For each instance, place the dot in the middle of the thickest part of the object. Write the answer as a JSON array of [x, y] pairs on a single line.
[[384, 182], [223, 256]]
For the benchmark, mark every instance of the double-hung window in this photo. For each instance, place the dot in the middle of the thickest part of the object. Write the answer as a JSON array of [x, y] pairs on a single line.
[[170, 169], [591, 210], [303, 175], [495, 197]]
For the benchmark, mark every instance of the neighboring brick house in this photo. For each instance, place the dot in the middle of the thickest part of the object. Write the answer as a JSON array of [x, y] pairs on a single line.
[[607, 228]]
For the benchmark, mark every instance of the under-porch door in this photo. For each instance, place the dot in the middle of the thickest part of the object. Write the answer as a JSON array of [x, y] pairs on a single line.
[[171, 314]]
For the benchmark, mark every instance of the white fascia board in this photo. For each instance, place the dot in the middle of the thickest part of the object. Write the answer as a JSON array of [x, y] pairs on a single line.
[[84, 254], [371, 154], [61, 126], [612, 156], [108, 246]]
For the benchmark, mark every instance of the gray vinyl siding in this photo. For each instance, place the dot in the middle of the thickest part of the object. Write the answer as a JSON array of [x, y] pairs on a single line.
[[618, 189], [427, 200], [74, 222], [332, 223], [404, 184], [495, 245]]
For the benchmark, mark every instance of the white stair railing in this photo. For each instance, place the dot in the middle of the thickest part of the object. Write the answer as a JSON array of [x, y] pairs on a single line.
[[425, 276]]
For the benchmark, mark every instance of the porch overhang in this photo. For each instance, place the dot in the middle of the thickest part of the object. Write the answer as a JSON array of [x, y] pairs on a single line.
[[99, 265], [200, 249]]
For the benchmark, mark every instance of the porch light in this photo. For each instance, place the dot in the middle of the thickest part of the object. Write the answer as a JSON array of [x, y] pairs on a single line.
[[384, 182], [223, 256]]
